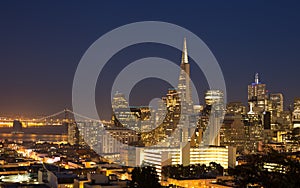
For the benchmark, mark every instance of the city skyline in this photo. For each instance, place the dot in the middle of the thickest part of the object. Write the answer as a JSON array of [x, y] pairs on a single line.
[[244, 102], [42, 52], [149, 94]]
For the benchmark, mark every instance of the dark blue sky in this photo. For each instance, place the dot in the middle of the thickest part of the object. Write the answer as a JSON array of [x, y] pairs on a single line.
[[41, 43]]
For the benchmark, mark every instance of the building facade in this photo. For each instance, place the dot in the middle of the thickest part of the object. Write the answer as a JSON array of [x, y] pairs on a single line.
[[257, 95]]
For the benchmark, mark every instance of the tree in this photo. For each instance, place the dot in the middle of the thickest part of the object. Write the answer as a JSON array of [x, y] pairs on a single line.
[[180, 171], [217, 168], [144, 177], [285, 171]]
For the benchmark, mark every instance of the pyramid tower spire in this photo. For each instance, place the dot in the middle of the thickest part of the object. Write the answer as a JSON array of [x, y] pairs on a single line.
[[184, 58]]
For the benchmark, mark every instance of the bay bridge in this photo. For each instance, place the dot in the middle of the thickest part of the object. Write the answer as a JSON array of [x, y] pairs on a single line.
[[53, 127], [55, 119]]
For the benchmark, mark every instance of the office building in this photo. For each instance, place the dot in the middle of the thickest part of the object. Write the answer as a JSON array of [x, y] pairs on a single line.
[[214, 100], [275, 106], [253, 131], [232, 132], [131, 156], [207, 154], [296, 113], [257, 95], [186, 155], [73, 133], [184, 84], [112, 139], [163, 156], [119, 101]]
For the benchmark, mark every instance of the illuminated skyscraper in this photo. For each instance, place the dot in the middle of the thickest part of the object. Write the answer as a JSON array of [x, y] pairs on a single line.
[[297, 103], [296, 113], [214, 100], [258, 116], [119, 101], [138, 118], [122, 115], [186, 123], [184, 84], [172, 118], [253, 131], [232, 132], [73, 134], [257, 95], [275, 106], [179, 106]]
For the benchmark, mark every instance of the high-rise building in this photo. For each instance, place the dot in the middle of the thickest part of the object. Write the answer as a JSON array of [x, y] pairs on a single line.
[[185, 128], [73, 133], [111, 140], [297, 103], [184, 84], [253, 131], [296, 113], [89, 131], [172, 102], [257, 95], [266, 120], [232, 132], [138, 118], [131, 156], [276, 103], [275, 106], [119, 101], [179, 104], [214, 100]]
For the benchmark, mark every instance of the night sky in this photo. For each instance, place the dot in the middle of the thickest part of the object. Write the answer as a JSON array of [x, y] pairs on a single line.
[[42, 42]]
